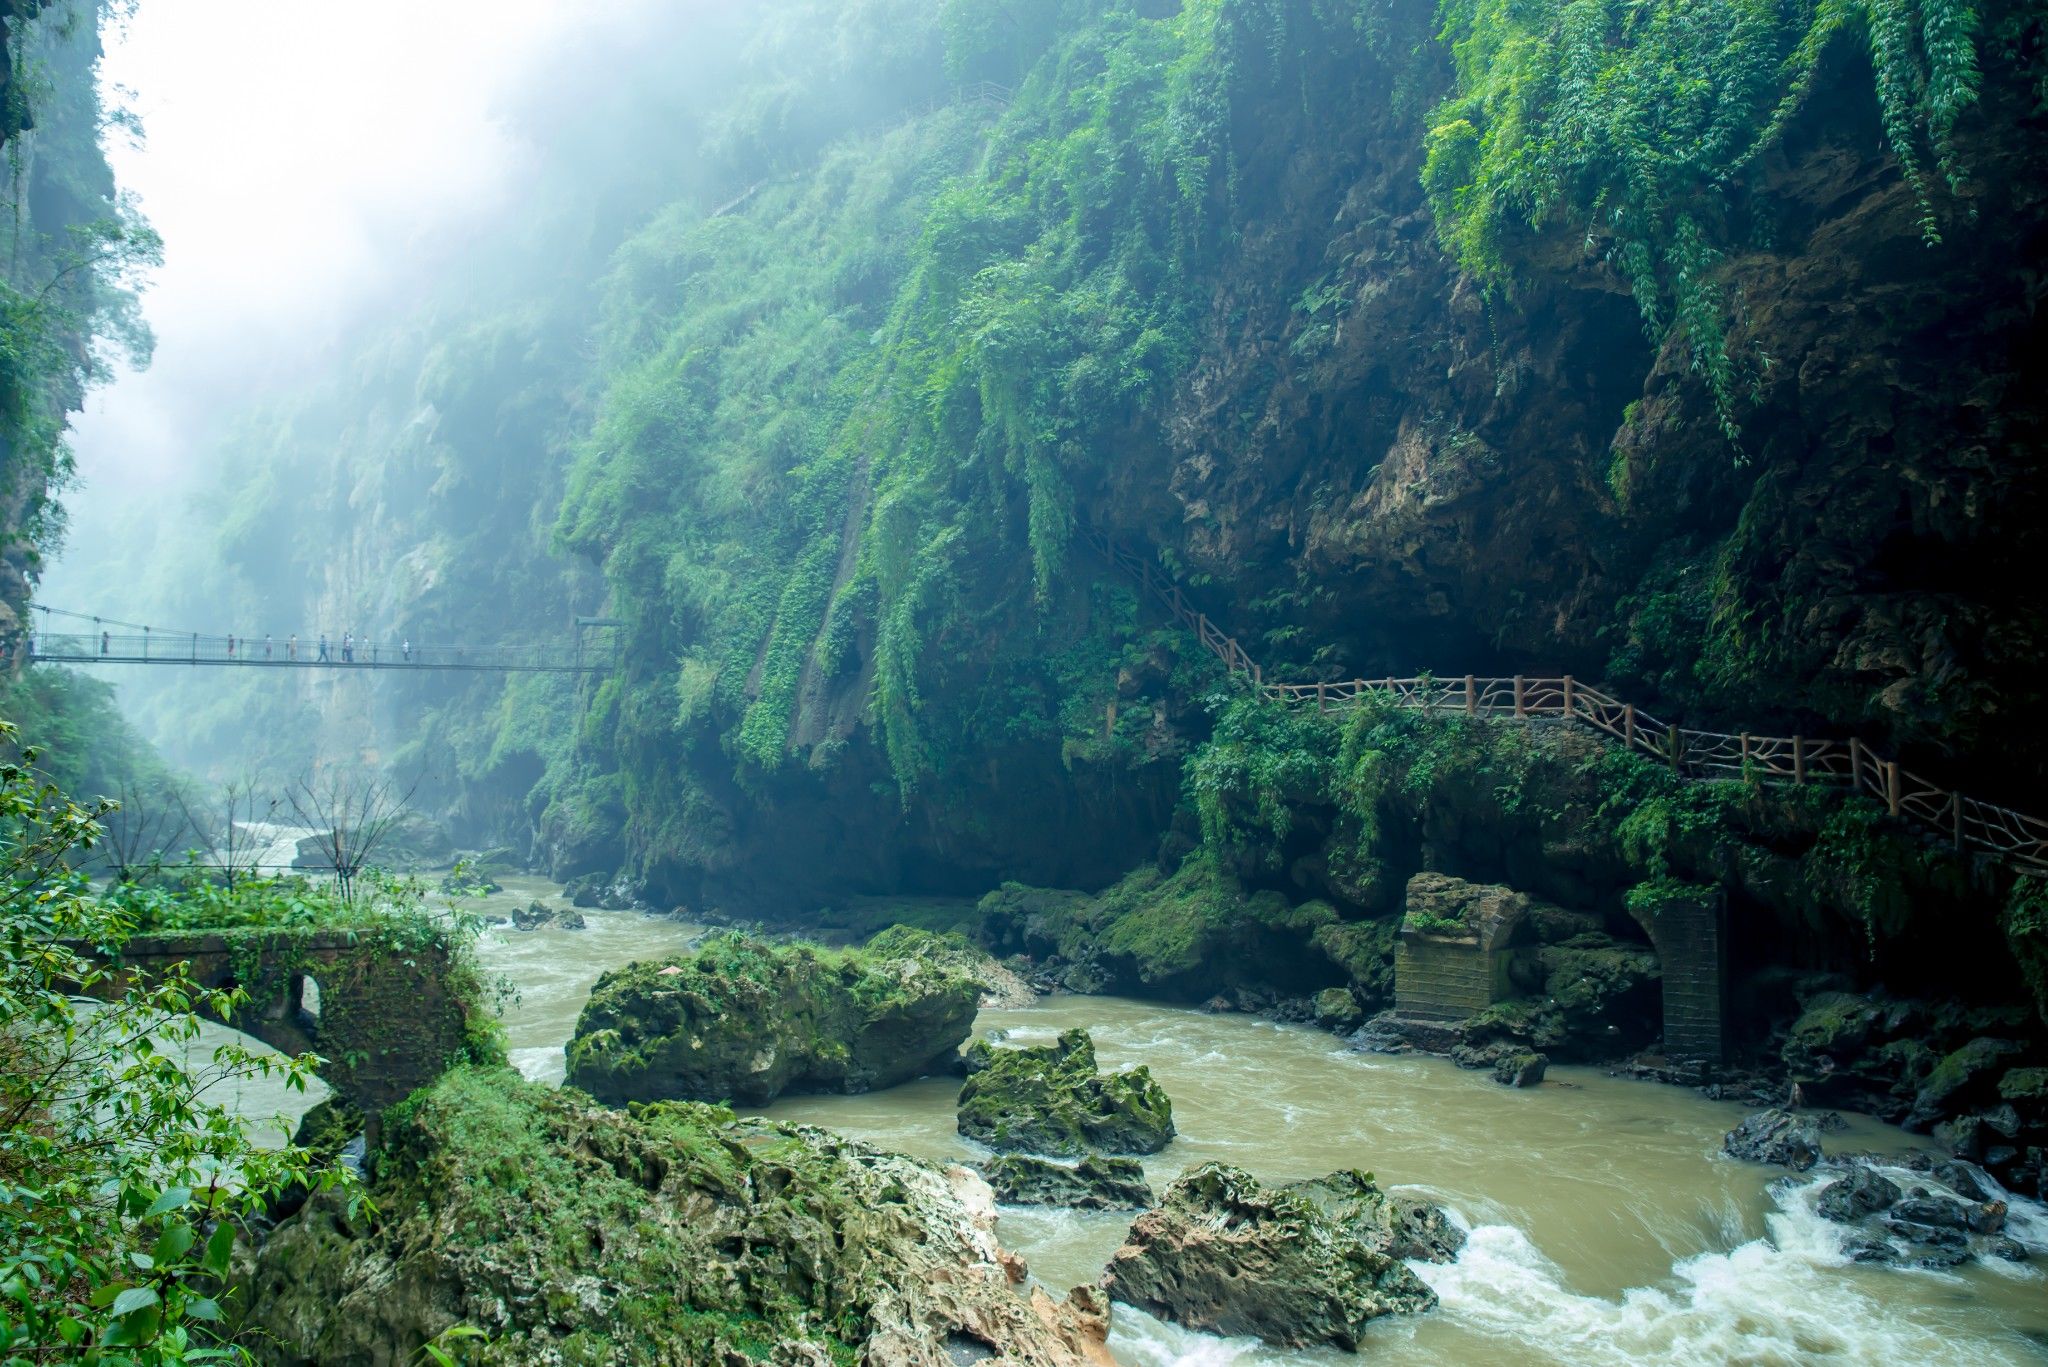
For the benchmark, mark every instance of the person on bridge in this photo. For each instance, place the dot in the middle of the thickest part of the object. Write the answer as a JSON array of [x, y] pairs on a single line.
[[105, 640], [323, 647], [291, 647], [405, 647], [348, 647], [266, 645], [231, 647]]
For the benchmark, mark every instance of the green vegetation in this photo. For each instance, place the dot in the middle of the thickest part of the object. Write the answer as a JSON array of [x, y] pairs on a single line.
[[123, 1182], [1640, 123], [667, 1235]]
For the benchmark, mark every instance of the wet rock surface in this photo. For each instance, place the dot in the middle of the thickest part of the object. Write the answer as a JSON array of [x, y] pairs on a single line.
[[1054, 1100], [1785, 1138], [741, 1019], [1097, 1182], [1228, 1255]]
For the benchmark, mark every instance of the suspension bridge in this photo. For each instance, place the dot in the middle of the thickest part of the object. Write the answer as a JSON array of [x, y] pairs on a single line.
[[592, 648]]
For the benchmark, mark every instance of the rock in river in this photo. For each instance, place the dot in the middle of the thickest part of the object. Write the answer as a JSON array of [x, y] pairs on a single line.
[[673, 1235], [1095, 1183], [1228, 1255], [1780, 1136], [1053, 1100], [744, 1020]]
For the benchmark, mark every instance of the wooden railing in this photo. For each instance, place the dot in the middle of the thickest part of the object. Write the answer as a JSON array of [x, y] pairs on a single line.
[[1965, 822]]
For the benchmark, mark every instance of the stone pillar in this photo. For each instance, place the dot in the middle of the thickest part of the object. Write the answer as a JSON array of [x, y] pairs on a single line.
[[1688, 929]]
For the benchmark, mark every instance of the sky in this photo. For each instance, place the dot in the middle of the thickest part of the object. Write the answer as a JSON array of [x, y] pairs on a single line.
[[305, 162]]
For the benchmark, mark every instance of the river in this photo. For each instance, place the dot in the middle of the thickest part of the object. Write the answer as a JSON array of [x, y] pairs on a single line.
[[1605, 1225]]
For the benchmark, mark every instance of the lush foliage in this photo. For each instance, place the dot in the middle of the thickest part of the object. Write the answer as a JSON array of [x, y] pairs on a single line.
[[1638, 122], [122, 1179]]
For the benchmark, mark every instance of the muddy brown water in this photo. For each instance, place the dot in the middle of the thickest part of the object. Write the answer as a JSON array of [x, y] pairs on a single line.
[[1605, 1225]]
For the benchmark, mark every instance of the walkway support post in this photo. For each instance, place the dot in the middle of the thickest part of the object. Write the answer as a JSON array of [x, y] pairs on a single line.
[[1891, 786], [1628, 722], [1671, 744], [1471, 697], [1521, 707], [1855, 764], [1798, 760], [1568, 698]]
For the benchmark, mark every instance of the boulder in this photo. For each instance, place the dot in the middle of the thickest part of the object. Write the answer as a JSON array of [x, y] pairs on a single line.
[[1860, 1194], [469, 883], [1054, 1100], [1097, 1182], [570, 919], [1225, 1254], [1001, 986], [1405, 1227], [1960, 1080], [533, 916], [1779, 1136], [1335, 1008], [1520, 1068], [746, 1020], [674, 1234]]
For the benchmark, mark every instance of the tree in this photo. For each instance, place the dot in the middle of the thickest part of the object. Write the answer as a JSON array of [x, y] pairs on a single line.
[[349, 818], [121, 1182], [233, 845], [144, 828]]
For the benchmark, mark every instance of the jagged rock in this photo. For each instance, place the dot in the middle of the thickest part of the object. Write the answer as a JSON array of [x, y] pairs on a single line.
[[469, 883], [1962, 1078], [533, 916], [675, 1234], [1098, 1182], [1521, 1068], [1405, 1227], [570, 919], [1860, 1194], [1227, 1255], [1053, 1100], [745, 1020], [1336, 1009], [1777, 1136]]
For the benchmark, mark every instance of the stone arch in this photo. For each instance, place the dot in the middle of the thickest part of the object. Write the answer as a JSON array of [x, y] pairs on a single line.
[[385, 1022], [1687, 924]]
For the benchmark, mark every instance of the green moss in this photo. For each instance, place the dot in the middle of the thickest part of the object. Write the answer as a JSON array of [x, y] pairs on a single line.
[[1054, 1100], [744, 1019]]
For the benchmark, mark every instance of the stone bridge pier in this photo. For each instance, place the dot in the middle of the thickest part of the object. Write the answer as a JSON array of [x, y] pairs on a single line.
[[1688, 927], [1466, 946], [381, 1014]]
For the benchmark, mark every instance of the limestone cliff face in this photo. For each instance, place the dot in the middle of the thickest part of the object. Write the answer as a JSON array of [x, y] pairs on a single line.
[[1434, 479]]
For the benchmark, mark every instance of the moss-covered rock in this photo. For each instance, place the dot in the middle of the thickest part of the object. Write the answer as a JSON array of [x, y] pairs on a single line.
[[1337, 1009], [743, 1020], [1000, 986], [1097, 1182], [670, 1236], [1298, 1267], [1963, 1078], [1053, 1100]]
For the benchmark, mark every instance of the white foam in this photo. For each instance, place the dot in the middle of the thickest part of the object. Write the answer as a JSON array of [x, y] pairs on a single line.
[[1786, 1299]]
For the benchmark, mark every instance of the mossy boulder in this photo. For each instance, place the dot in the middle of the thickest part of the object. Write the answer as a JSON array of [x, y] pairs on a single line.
[[1097, 1182], [743, 1020], [1336, 1009], [1054, 1100], [1295, 1266], [1000, 986], [1963, 1078], [671, 1235]]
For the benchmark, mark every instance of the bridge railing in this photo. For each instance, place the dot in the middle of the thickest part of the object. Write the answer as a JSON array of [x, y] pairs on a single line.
[[174, 648], [1965, 822]]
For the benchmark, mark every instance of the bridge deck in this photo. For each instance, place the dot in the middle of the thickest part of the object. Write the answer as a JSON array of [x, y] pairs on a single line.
[[157, 648]]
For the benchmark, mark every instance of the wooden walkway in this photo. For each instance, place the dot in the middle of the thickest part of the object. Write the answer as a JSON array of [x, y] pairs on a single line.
[[1967, 823]]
